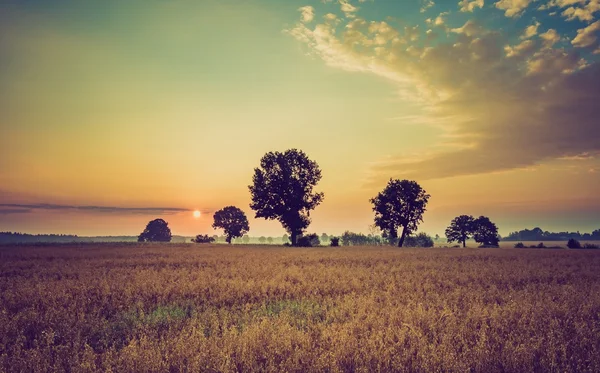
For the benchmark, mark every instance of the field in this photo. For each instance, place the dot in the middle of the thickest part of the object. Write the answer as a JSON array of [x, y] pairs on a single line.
[[157, 308]]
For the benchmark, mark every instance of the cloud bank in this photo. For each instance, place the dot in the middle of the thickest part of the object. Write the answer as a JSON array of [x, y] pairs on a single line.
[[502, 103]]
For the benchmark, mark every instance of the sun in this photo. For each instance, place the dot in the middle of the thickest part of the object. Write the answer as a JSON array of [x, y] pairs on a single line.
[[197, 214]]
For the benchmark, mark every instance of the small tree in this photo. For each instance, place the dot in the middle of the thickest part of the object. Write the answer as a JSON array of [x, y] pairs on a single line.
[[157, 230], [285, 239], [309, 240], [400, 205], [486, 232], [461, 229], [420, 240], [246, 239], [324, 238], [233, 221], [269, 240], [334, 241], [262, 239], [573, 244], [282, 189]]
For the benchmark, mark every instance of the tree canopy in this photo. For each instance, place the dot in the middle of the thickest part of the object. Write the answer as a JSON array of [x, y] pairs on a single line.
[[157, 230], [233, 221], [486, 232], [461, 229], [400, 205], [282, 189]]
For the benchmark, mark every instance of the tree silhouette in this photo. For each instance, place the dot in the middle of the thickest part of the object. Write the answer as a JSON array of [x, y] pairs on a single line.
[[401, 204], [485, 232], [233, 221], [461, 229], [282, 189], [157, 230], [262, 239]]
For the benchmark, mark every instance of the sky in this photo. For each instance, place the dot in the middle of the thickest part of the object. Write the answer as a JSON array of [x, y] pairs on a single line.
[[113, 113]]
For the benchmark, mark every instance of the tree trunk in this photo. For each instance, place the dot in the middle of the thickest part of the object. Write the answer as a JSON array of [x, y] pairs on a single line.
[[401, 242], [228, 239], [464, 242], [294, 236]]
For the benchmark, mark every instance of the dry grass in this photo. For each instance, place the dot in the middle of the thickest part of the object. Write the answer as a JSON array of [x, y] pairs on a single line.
[[213, 308]]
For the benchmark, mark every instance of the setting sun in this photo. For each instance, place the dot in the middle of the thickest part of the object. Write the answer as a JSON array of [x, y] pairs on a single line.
[[197, 214]]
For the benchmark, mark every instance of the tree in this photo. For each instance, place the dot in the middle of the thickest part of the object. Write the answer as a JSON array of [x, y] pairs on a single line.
[[233, 221], [285, 239], [401, 204], [309, 240], [324, 238], [282, 189], [246, 239], [461, 229], [269, 240], [262, 239], [157, 230], [485, 232]]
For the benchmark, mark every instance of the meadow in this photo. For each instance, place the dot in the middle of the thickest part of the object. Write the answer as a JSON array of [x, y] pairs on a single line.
[[209, 308]]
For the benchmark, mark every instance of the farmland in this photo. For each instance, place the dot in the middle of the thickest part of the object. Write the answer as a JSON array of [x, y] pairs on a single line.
[[170, 307]]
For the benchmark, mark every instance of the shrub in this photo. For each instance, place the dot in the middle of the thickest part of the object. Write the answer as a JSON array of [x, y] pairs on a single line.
[[590, 246], [420, 240], [334, 241], [519, 245], [541, 245], [573, 244], [308, 240], [203, 238]]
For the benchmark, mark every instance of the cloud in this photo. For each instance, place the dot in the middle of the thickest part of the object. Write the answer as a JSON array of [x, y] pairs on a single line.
[[348, 8], [583, 11], [499, 107], [513, 8], [307, 13], [470, 6], [530, 30], [27, 208], [426, 4], [586, 36], [550, 38]]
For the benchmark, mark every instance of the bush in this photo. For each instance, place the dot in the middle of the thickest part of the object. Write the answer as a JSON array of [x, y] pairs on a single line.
[[203, 238], [490, 246], [308, 240], [420, 240], [590, 246], [519, 245], [541, 245], [334, 241], [573, 244]]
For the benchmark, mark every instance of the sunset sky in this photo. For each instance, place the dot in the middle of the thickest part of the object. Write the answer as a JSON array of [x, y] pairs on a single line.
[[113, 113]]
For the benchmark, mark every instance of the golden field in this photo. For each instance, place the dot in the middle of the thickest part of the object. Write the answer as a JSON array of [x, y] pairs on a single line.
[[177, 308]]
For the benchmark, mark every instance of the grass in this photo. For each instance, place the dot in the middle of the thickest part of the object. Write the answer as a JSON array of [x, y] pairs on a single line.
[[157, 308]]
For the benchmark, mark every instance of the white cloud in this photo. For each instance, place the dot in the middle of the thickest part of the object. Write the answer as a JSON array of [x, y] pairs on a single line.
[[348, 8], [426, 4], [307, 13], [582, 10], [513, 8], [470, 6], [586, 36]]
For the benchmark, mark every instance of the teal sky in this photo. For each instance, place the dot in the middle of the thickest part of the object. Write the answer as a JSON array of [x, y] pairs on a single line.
[[169, 105]]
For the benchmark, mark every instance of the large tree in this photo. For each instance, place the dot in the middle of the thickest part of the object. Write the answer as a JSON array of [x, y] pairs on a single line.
[[282, 189], [461, 229], [233, 221], [486, 232], [400, 205], [157, 230]]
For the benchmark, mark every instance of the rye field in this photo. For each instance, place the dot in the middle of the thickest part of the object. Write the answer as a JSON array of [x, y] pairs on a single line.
[[213, 308]]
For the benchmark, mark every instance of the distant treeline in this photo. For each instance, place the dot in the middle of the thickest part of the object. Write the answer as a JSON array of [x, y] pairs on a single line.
[[17, 237], [537, 234]]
